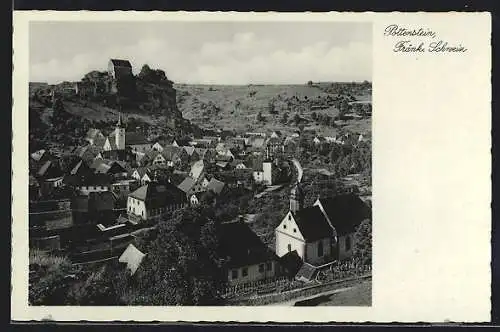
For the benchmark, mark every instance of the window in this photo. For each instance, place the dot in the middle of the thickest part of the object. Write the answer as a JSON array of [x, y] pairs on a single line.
[[320, 248], [261, 268], [284, 226], [289, 247], [289, 217], [295, 230], [234, 274], [244, 272], [347, 243], [269, 266]]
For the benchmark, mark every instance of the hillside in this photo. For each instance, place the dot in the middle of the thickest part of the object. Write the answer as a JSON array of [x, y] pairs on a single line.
[[237, 107], [158, 107]]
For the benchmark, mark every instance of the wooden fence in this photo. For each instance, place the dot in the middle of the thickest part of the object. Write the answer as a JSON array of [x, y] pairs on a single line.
[[283, 289], [310, 289]]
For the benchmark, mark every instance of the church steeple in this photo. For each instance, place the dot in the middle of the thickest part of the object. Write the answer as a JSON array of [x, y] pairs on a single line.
[[119, 123], [296, 198], [120, 134]]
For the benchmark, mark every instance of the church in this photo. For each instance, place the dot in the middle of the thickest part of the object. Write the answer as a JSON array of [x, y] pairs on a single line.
[[119, 144], [323, 232], [116, 140]]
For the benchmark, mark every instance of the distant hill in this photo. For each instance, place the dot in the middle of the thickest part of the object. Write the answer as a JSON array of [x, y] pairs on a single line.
[[237, 107], [166, 108]]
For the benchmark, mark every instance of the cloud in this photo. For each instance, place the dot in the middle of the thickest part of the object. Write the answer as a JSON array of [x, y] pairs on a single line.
[[245, 58]]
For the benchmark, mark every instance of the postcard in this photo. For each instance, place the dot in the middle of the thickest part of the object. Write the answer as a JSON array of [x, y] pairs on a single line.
[[251, 167]]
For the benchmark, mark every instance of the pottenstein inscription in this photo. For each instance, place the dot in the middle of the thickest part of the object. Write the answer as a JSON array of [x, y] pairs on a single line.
[[412, 42]]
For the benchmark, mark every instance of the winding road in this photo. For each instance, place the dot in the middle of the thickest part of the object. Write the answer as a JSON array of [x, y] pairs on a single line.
[[300, 171]]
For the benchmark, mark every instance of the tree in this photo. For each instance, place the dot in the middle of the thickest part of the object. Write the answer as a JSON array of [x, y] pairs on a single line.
[[271, 108], [284, 118], [182, 266], [260, 118], [51, 284], [344, 106], [309, 83], [363, 242], [296, 119]]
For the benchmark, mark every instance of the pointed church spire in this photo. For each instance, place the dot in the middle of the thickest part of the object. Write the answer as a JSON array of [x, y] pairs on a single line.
[[119, 123]]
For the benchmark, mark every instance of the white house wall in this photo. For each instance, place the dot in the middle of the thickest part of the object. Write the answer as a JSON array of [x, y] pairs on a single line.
[[253, 274], [137, 207], [85, 190], [287, 233]]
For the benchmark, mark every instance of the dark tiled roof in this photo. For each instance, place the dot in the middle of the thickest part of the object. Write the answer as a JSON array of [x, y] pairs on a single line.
[[216, 186], [44, 169], [345, 212], [240, 246], [157, 195], [291, 262], [132, 138], [307, 272], [93, 180], [313, 224], [121, 63]]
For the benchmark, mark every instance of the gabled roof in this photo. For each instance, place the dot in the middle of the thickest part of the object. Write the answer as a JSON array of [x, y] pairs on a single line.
[[276, 133], [156, 194], [291, 262], [240, 246], [91, 150], [258, 142], [189, 149], [197, 168], [132, 257], [37, 155], [215, 185], [44, 169], [77, 168], [187, 184], [142, 171], [345, 212], [121, 63], [102, 168], [93, 132], [273, 141], [171, 152], [201, 152], [151, 154], [312, 224], [99, 141]]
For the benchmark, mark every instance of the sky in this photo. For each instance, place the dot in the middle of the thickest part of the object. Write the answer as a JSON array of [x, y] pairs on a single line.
[[205, 52]]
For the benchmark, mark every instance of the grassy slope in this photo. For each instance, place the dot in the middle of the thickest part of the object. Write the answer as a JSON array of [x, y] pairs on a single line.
[[190, 100], [96, 112], [243, 118], [359, 295]]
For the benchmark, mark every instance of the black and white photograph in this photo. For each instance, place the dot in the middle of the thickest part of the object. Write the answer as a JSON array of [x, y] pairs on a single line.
[[200, 163]]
